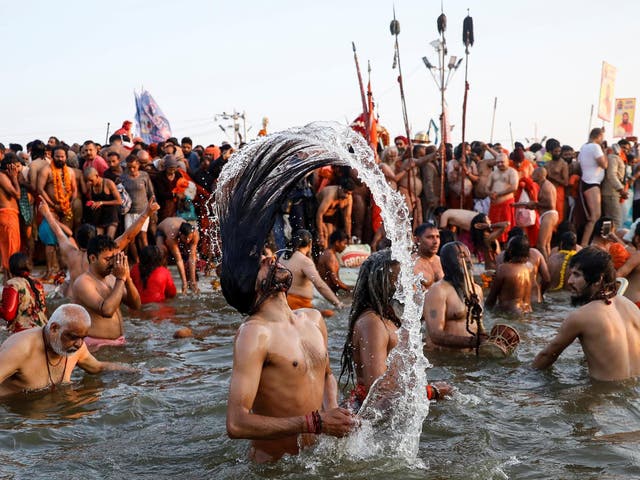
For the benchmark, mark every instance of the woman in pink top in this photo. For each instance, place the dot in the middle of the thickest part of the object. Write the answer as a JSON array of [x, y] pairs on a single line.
[[152, 279]]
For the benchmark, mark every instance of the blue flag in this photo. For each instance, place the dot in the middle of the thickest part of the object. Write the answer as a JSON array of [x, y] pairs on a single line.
[[152, 125]]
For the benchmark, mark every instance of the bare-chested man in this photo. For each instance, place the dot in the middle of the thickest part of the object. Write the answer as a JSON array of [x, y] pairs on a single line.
[[282, 391], [102, 289], [179, 238], [334, 210], [559, 262], [593, 163], [427, 262], [607, 325], [305, 274], [546, 205], [558, 174], [74, 253], [57, 186], [445, 310], [328, 264], [9, 213], [373, 329], [511, 287], [58, 346], [409, 180], [503, 182], [454, 219], [486, 161]]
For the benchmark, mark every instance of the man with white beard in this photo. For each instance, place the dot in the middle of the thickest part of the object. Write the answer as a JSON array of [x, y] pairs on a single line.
[[58, 345]]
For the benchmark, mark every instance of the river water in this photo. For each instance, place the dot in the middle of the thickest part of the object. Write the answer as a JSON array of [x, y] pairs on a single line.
[[505, 421]]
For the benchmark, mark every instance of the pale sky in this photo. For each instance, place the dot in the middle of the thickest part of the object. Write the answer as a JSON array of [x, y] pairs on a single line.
[[71, 66]]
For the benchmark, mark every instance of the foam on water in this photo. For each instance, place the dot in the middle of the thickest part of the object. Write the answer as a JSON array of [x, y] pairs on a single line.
[[394, 411]]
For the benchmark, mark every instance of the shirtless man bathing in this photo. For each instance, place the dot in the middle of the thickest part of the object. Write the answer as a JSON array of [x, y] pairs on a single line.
[[607, 325], [58, 345]]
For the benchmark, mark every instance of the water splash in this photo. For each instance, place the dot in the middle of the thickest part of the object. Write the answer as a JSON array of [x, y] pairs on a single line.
[[397, 403]]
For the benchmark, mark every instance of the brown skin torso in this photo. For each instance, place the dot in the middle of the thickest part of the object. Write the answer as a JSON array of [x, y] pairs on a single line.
[[511, 289]]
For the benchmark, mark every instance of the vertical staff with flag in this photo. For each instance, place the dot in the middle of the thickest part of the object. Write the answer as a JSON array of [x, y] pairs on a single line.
[[467, 39]]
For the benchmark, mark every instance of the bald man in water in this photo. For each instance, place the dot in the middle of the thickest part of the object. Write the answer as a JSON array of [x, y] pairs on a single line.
[[607, 325], [58, 345]]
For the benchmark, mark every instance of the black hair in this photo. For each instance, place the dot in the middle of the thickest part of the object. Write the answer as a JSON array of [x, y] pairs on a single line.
[[99, 244], [85, 232], [8, 159], [348, 183], [595, 133], [439, 210], [566, 148], [19, 267], [374, 290], [597, 227], [452, 267], [535, 147], [59, 147], [515, 232], [185, 229], [150, 258], [225, 147], [186, 140], [446, 236], [517, 250], [623, 142], [596, 265], [113, 154], [302, 238], [247, 204], [38, 149], [551, 144], [337, 236], [568, 240], [15, 147], [477, 235], [420, 229], [115, 137]]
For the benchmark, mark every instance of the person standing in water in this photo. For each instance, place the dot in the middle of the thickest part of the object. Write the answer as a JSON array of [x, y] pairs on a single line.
[[607, 325]]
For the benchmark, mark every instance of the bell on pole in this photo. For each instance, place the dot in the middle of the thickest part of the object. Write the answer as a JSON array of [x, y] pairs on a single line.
[[467, 31], [442, 23]]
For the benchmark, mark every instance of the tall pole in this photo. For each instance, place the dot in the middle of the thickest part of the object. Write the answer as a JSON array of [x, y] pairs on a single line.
[[365, 108], [590, 119], [467, 39], [106, 140], [442, 25], [511, 133], [493, 119]]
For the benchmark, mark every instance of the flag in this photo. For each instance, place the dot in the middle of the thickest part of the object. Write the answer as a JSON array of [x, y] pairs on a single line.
[[624, 116], [373, 121], [151, 123], [607, 83]]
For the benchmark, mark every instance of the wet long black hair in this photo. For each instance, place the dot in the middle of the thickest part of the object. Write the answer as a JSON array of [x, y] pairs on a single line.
[[374, 290], [453, 268], [247, 204]]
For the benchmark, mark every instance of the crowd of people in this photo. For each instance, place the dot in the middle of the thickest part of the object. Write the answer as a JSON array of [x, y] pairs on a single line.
[[540, 219]]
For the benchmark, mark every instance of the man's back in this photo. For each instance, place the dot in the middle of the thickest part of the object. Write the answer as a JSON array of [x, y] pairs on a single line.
[[513, 287], [610, 338]]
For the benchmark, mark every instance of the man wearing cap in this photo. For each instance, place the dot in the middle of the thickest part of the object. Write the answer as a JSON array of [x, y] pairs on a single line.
[[164, 184], [124, 130], [9, 213]]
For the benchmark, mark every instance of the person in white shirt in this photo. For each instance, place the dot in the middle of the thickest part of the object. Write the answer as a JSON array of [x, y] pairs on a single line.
[[593, 164]]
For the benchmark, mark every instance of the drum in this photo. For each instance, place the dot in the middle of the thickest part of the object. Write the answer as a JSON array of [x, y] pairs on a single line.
[[501, 343]]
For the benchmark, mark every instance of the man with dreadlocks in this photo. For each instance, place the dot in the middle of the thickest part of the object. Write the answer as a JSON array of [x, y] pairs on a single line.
[[453, 306], [282, 391], [608, 325], [373, 325]]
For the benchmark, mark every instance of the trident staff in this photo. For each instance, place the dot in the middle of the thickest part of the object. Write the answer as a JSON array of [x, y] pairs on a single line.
[[467, 39], [365, 109]]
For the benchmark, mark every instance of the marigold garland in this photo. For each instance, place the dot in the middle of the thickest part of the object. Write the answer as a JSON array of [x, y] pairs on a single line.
[[62, 189], [563, 271]]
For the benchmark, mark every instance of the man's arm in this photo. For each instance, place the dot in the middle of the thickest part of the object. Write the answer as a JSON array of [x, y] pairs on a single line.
[[74, 184], [130, 233], [325, 202], [544, 274], [91, 364], [309, 270], [373, 342], [496, 286], [12, 354], [347, 216], [629, 266], [85, 292], [334, 275], [172, 246], [9, 183], [569, 330], [193, 258], [41, 182]]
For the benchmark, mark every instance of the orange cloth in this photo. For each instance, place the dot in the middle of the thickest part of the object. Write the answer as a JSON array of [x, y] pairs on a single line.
[[502, 212], [619, 254], [560, 202], [296, 301], [9, 234]]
